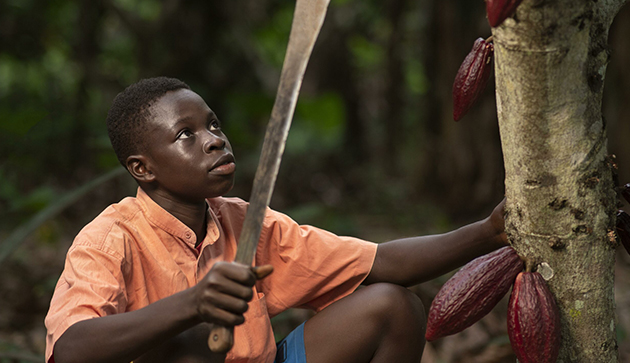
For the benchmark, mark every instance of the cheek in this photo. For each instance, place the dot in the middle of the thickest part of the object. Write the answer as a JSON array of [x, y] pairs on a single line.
[[228, 146]]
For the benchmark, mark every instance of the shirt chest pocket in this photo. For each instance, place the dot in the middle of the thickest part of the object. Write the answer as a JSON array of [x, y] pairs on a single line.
[[254, 341]]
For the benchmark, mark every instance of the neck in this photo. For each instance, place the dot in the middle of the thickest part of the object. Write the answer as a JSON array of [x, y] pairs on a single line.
[[191, 213]]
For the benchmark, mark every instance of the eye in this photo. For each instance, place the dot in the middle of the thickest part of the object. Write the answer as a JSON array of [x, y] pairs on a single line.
[[214, 125], [184, 134]]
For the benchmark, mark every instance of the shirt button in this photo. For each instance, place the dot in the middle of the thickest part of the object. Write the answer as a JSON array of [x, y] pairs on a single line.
[[188, 235]]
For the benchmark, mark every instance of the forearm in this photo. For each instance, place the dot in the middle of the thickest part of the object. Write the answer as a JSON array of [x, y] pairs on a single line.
[[123, 337], [414, 260]]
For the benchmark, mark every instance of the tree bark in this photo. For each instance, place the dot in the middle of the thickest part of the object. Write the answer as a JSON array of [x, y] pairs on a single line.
[[550, 62]]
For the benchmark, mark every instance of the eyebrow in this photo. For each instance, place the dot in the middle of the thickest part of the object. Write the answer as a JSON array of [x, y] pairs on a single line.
[[180, 120]]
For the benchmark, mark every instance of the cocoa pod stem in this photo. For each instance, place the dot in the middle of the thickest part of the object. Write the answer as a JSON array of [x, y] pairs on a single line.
[[530, 265]]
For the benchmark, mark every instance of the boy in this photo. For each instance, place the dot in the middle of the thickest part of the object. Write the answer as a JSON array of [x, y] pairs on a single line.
[[148, 276]]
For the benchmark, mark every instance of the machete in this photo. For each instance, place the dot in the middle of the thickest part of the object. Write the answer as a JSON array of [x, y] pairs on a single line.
[[307, 21]]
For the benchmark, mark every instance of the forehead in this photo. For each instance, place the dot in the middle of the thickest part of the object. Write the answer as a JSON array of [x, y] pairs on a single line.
[[179, 104]]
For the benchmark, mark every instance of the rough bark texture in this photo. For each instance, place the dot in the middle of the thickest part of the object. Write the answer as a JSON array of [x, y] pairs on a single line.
[[550, 61]]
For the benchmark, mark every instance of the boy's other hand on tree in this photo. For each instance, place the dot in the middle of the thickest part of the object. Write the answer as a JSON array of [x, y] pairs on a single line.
[[496, 221]]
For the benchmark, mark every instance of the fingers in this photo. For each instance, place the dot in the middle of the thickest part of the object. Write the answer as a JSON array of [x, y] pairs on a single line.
[[222, 309], [222, 295]]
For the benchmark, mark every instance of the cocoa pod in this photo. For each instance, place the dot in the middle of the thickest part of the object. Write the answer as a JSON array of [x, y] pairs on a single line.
[[625, 192], [623, 229], [472, 292], [499, 10], [472, 77], [533, 320]]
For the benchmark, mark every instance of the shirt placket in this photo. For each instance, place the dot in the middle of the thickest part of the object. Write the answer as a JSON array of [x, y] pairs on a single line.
[[204, 257]]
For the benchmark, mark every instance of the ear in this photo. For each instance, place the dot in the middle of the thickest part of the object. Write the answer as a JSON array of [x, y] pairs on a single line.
[[139, 168]]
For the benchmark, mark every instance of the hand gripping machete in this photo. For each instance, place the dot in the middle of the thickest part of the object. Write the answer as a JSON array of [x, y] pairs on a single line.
[[307, 21]]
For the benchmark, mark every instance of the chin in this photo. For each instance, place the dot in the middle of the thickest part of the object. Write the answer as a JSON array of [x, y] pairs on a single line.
[[224, 190]]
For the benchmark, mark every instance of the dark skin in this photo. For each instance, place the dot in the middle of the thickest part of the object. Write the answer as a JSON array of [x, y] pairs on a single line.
[[186, 158]]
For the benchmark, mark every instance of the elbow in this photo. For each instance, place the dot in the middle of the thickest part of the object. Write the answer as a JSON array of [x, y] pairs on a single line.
[[65, 349], [62, 352]]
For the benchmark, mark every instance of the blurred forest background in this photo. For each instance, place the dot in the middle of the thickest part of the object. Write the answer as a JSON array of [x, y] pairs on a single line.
[[373, 151]]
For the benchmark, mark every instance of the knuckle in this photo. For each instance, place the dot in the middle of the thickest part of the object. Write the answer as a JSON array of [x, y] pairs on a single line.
[[211, 280], [243, 307], [220, 267], [206, 313], [248, 295], [237, 320]]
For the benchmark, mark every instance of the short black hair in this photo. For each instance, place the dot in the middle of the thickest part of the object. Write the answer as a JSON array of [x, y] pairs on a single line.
[[130, 111]]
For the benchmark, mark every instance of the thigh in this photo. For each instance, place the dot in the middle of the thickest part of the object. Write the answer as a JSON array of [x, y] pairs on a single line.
[[377, 323]]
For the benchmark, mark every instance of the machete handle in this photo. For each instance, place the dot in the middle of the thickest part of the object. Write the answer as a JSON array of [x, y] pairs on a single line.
[[221, 339]]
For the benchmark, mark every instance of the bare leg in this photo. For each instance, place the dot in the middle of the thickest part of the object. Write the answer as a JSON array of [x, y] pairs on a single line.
[[378, 323]]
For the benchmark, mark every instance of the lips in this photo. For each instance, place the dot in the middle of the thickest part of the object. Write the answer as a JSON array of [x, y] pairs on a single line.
[[224, 165]]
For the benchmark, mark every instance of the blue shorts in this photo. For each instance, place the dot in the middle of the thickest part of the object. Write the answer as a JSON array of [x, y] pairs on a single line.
[[291, 349]]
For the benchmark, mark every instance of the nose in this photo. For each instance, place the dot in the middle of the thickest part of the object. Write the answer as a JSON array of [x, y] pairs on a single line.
[[213, 142]]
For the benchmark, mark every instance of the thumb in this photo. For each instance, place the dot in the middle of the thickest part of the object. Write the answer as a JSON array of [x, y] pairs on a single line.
[[262, 271]]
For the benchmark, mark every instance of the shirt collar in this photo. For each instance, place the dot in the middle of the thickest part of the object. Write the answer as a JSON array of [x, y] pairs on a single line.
[[167, 222]]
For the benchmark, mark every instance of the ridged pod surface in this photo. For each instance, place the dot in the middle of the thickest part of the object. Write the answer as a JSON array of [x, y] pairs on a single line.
[[499, 10], [533, 320], [623, 229], [625, 192], [472, 292], [472, 77]]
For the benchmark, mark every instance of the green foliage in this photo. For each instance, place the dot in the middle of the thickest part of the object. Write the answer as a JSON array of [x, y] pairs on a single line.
[[415, 77], [368, 55], [318, 126], [271, 39], [62, 62], [144, 9]]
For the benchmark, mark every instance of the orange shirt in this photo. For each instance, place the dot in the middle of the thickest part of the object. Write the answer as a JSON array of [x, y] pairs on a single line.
[[135, 253]]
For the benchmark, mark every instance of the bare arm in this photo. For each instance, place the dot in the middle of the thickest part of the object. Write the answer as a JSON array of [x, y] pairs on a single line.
[[221, 297], [414, 260]]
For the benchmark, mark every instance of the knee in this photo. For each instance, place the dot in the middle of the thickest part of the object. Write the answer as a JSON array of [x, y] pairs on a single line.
[[397, 307]]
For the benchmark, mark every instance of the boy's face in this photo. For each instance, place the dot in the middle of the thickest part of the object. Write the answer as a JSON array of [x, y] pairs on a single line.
[[187, 153]]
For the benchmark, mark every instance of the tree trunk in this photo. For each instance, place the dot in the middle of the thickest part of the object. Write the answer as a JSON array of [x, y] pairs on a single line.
[[550, 62]]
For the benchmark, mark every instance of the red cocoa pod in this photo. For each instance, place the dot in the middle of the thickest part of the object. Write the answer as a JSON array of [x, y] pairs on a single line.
[[623, 229], [533, 320], [625, 192], [472, 77], [472, 292], [499, 10]]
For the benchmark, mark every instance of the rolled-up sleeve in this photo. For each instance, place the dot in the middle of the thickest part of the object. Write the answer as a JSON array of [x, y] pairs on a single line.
[[91, 286], [312, 267]]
